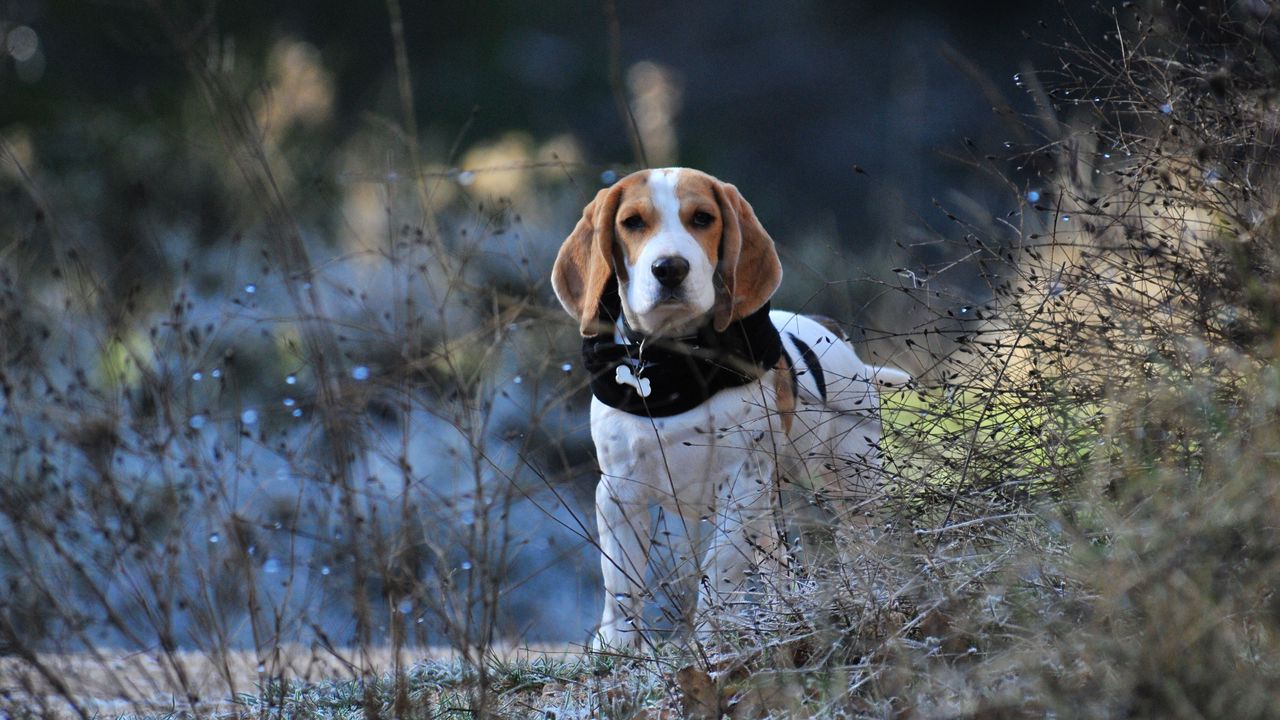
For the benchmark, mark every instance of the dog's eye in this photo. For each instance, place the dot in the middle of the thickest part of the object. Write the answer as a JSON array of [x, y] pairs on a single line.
[[701, 219], [635, 222]]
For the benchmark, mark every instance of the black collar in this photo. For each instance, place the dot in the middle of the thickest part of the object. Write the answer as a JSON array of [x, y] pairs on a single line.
[[668, 376]]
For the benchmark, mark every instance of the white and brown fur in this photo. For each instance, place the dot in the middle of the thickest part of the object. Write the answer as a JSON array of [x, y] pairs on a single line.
[[714, 468]]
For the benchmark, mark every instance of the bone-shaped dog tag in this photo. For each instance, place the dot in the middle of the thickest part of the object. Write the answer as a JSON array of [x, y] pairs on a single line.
[[624, 376]]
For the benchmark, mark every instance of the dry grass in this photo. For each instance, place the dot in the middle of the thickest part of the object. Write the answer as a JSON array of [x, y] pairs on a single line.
[[296, 681]]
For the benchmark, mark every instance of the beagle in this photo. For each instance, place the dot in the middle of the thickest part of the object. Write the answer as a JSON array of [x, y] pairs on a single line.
[[702, 396]]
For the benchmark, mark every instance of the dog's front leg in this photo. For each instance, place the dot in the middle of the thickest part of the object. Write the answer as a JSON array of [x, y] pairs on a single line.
[[623, 521], [744, 549]]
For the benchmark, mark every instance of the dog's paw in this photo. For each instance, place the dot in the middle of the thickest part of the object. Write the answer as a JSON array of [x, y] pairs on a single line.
[[614, 640]]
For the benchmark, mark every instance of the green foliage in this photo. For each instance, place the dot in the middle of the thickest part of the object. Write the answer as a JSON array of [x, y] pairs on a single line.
[[941, 439]]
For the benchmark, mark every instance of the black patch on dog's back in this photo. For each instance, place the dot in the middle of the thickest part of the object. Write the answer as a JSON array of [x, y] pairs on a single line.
[[812, 364]]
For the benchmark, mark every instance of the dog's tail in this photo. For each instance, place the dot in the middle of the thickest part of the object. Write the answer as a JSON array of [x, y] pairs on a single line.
[[889, 377], [828, 369]]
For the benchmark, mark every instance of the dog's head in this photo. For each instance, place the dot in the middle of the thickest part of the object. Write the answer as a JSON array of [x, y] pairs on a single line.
[[682, 245]]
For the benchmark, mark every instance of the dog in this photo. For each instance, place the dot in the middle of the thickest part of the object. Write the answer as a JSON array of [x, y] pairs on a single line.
[[703, 398]]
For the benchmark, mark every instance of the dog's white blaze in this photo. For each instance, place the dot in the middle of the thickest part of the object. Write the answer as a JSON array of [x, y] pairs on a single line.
[[662, 185], [643, 291]]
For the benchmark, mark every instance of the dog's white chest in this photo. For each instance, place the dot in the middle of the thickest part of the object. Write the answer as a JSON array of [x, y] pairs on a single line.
[[681, 457]]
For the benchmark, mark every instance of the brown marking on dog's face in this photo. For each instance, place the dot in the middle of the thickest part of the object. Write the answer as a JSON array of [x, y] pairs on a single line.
[[700, 212], [636, 220]]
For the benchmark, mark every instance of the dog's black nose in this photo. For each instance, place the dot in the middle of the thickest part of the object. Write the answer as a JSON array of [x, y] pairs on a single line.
[[671, 271]]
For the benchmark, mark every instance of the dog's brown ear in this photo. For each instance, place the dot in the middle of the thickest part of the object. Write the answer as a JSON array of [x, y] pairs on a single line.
[[749, 271], [585, 262]]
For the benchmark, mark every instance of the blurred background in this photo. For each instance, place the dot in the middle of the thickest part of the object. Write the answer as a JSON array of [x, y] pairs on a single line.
[[781, 99], [155, 345]]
